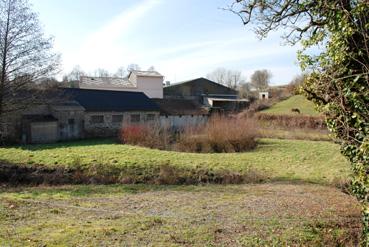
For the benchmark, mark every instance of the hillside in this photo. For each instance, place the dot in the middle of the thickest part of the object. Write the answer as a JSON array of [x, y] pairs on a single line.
[[298, 101]]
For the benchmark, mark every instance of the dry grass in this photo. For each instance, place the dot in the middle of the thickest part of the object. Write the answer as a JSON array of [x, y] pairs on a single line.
[[295, 134], [151, 135], [291, 121], [220, 135], [274, 214]]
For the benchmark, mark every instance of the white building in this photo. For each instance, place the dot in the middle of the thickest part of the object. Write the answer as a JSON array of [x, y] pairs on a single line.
[[263, 95], [148, 82]]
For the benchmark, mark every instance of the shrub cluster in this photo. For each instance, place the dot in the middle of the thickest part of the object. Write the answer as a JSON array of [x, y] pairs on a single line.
[[220, 134], [147, 135]]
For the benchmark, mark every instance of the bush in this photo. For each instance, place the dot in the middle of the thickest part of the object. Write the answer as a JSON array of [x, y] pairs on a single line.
[[220, 135], [148, 135], [135, 134]]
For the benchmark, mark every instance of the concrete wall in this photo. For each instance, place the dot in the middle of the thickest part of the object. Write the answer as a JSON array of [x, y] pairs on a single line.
[[183, 121]]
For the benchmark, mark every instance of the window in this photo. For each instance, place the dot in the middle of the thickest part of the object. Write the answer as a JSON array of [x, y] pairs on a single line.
[[97, 119], [150, 117], [71, 121], [135, 118], [117, 118]]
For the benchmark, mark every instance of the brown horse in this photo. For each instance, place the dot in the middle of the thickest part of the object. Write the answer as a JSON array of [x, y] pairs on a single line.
[[296, 110]]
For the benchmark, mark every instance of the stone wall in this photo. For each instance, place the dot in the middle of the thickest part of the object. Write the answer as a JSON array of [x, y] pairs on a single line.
[[108, 128], [70, 123]]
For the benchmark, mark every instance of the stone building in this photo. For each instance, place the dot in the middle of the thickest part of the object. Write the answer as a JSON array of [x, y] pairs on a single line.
[[87, 113]]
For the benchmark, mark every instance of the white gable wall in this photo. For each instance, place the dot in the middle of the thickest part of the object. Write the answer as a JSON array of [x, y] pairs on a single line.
[[152, 86]]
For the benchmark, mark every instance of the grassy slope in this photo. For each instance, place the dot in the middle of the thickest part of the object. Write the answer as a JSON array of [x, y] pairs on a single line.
[[298, 101], [140, 215], [279, 159]]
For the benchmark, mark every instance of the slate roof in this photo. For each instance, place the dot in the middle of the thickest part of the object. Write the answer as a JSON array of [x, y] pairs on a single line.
[[106, 81], [105, 100], [200, 80], [180, 107]]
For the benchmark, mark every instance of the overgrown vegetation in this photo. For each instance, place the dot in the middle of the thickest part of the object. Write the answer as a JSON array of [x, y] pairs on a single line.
[[339, 75], [151, 135], [289, 121], [219, 135]]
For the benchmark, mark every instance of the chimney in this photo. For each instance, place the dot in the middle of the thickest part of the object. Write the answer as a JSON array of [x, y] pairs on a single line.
[[167, 83]]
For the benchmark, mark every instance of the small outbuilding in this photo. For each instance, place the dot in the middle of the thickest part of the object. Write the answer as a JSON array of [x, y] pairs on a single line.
[[263, 95]]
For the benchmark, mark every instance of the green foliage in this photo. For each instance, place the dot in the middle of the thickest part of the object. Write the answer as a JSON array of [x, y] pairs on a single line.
[[340, 89], [339, 75]]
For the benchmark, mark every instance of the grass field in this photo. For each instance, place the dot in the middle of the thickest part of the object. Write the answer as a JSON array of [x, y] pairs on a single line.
[[292, 207], [273, 160], [275, 214], [298, 101]]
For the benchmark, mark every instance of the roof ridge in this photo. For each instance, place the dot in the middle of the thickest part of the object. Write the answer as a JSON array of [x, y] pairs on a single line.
[[105, 90]]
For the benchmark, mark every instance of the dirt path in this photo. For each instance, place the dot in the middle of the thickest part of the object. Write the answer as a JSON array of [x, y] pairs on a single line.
[[234, 215]]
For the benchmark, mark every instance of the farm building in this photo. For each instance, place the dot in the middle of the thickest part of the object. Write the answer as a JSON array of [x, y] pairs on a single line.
[[87, 113], [207, 93], [147, 82]]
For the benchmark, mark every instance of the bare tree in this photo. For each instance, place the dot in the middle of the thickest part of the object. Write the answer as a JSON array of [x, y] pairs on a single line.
[[244, 90], [229, 78], [121, 72], [75, 74], [102, 73], [260, 79], [25, 55], [296, 83], [133, 67]]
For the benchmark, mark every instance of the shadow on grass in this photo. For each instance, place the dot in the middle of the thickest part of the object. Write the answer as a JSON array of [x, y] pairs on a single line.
[[69, 144], [93, 190]]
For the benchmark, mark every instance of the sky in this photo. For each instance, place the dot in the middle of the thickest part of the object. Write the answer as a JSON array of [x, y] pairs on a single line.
[[182, 39]]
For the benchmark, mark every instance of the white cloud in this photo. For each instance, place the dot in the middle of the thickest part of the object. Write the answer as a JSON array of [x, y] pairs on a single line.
[[237, 54], [234, 50], [101, 48]]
